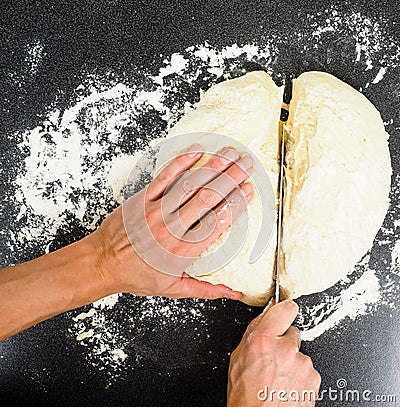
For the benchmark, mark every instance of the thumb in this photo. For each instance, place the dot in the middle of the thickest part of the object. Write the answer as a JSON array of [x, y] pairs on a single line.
[[279, 318], [190, 287]]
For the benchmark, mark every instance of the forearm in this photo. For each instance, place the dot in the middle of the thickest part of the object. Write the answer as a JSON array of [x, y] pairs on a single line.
[[54, 283], [107, 261]]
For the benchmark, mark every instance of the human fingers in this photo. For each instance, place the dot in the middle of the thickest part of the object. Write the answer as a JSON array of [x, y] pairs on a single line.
[[293, 335], [214, 192], [190, 287], [172, 170], [278, 319], [217, 221], [183, 190], [306, 365]]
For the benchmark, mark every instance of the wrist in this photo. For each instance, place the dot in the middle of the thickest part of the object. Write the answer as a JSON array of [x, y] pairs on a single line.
[[116, 259], [99, 261]]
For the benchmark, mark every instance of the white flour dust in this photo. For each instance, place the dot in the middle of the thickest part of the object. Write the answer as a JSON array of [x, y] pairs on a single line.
[[362, 38], [396, 257], [76, 163], [357, 300], [34, 54], [108, 328]]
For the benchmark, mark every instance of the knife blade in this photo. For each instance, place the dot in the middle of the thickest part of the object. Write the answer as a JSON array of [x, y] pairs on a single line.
[[278, 262]]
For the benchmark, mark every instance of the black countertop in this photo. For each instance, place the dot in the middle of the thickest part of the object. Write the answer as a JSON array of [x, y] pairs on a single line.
[[171, 363]]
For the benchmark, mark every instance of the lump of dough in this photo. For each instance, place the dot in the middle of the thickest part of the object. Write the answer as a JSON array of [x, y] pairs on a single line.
[[338, 174], [246, 109], [337, 178]]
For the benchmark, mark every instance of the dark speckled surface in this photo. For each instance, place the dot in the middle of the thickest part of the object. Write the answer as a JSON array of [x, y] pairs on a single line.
[[43, 365]]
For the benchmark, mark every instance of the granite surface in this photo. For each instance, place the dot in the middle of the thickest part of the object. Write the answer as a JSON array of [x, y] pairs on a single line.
[[43, 365]]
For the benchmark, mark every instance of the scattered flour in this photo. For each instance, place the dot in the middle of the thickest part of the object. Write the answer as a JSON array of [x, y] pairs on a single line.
[[396, 258], [353, 302], [77, 161], [34, 55], [380, 75], [362, 38], [107, 329], [106, 302]]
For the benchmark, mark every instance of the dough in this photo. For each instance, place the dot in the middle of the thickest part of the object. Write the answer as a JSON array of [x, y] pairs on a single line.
[[246, 109], [338, 182], [337, 178]]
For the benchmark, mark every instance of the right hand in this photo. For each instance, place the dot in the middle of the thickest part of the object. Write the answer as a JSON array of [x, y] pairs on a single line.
[[268, 358]]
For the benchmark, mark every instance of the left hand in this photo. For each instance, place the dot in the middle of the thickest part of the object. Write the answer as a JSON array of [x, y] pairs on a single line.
[[154, 234]]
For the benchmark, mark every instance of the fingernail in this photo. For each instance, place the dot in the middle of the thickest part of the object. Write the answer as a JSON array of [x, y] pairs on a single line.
[[249, 194], [248, 190], [193, 150], [187, 186], [247, 162], [271, 302], [232, 295], [228, 156], [290, 303]]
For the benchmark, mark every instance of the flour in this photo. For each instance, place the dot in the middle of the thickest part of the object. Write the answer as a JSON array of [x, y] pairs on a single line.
[[107, 329], [362, 38], [78, 159], [106, 302], [396, 258], [34, 55], [357, 300], [174, 65], [380, 75]]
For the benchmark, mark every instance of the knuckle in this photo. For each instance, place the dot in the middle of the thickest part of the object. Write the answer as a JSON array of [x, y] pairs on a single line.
[[308, 360], [295, 330], [233, 356], [162, 178], [237, 173], [308, 363], [152, 215], [235, 367], [258, 342], [288, 356], [250, 329], [207, 197], [179, 250], [181, 160], [253, 323], [186, 186], [160, 231], [291, 349], [295, 335], [214, 164], [317, 378]]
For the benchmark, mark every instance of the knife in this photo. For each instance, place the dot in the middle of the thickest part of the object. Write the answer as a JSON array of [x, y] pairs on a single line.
[[278, 262]]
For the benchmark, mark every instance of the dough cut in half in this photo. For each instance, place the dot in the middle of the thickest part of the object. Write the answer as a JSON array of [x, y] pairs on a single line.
[[338, 174], [337, 178]]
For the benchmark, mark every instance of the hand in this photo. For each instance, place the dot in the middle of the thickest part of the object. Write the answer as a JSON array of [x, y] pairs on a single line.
[[268, 361], [149, 241]]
